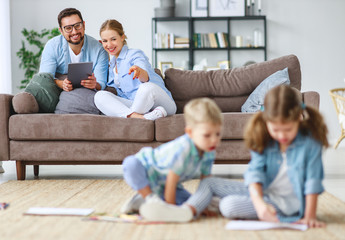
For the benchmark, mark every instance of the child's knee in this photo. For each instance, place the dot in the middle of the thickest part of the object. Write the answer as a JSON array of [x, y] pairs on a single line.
[[130, 164], [134, 173], [206, 182], [228, 207]]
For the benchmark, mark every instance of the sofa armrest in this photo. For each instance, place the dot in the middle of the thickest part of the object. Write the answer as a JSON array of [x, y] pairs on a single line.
[[6, 110], [311, 99]]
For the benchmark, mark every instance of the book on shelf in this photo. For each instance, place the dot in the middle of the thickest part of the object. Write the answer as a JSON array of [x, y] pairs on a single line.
[[169, 40], [200, 40], [181, 40], [210, 40], [181, 45], [164, 40]]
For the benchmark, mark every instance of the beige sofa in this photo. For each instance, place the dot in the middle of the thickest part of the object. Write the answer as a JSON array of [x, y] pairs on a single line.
[[73, 139]]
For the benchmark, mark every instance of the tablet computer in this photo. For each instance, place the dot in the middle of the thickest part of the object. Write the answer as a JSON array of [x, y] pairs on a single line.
[[79, 71]]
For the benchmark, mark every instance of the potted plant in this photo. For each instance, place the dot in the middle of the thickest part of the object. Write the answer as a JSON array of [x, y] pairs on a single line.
[[30, 59]]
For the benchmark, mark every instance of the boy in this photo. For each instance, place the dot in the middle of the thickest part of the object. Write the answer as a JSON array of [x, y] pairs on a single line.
[[158, 173]]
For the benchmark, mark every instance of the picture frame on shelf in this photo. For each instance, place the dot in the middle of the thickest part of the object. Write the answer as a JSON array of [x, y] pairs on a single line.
[[199, 8], [224, 64], [226, 8], [163, 66]]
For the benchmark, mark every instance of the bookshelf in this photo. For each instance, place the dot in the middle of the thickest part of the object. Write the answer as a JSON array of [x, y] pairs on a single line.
[[193, 47]]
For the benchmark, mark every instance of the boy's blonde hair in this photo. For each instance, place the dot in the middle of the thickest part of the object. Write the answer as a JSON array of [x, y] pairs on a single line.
[[202, 110]]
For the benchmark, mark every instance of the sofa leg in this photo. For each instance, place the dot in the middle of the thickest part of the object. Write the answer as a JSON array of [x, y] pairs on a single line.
[[36, 170], [21, 169]]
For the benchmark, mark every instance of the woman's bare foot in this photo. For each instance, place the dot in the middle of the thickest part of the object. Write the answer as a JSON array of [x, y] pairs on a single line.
[[135, 115]]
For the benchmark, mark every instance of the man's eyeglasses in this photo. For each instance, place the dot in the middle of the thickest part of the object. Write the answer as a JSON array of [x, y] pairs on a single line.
[[76, 26]]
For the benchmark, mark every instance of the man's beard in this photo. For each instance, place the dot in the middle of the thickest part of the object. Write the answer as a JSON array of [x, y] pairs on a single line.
[[76, 43]]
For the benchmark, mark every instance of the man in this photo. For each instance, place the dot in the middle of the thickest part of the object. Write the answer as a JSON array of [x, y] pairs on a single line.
[[73, 46], [50, 91]]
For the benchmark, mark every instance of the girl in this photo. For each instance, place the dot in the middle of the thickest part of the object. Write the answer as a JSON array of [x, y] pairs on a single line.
[[285, 173], [139, 89]]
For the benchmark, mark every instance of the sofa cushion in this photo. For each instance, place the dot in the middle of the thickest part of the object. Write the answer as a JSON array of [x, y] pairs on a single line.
[[232, 151], [79, 100], [226, 104], [25, 103], [237, 82], [171, 127], [84, 127], [256, 98]]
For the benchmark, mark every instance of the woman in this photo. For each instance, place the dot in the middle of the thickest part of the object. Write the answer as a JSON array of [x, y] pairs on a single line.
[[141, 92]]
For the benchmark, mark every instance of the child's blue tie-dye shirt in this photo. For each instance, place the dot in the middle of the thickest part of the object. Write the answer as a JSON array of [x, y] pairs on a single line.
[[180, 156]]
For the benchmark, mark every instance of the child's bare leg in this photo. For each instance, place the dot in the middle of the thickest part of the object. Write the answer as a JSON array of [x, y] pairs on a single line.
[[206, 212], [145, 191], [133, 204]]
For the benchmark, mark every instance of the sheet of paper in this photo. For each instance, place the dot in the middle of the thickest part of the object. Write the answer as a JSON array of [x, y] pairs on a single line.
[[260, 225], [59, 211]]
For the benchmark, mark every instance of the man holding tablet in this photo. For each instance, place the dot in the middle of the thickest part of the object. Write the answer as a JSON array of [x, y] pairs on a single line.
[[74, 46]]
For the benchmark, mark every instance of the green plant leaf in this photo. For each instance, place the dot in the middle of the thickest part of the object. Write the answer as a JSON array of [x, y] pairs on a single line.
[[30, 59]]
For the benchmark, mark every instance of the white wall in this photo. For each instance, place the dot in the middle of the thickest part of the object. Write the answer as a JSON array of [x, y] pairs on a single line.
[[311, 29]]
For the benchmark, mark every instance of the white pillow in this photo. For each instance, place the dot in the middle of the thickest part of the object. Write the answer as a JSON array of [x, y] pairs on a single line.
[[256, 98]]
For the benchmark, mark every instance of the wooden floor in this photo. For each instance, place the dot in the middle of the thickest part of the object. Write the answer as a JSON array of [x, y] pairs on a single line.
[[334, 165], [330, 209], [107, 197]]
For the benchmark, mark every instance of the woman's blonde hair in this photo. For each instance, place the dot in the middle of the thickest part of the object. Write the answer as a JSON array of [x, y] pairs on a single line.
[[284, 104], [113, 24], [202, 110]]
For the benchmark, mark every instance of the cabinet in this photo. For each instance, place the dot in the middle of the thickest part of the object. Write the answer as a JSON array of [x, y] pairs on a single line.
[[231, 26]]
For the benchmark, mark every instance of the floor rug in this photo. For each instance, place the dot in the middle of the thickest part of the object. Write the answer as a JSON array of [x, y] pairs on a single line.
[[107, 196]]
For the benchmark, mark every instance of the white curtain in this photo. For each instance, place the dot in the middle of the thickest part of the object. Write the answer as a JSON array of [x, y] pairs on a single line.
[[5, 51], [5, 48]]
